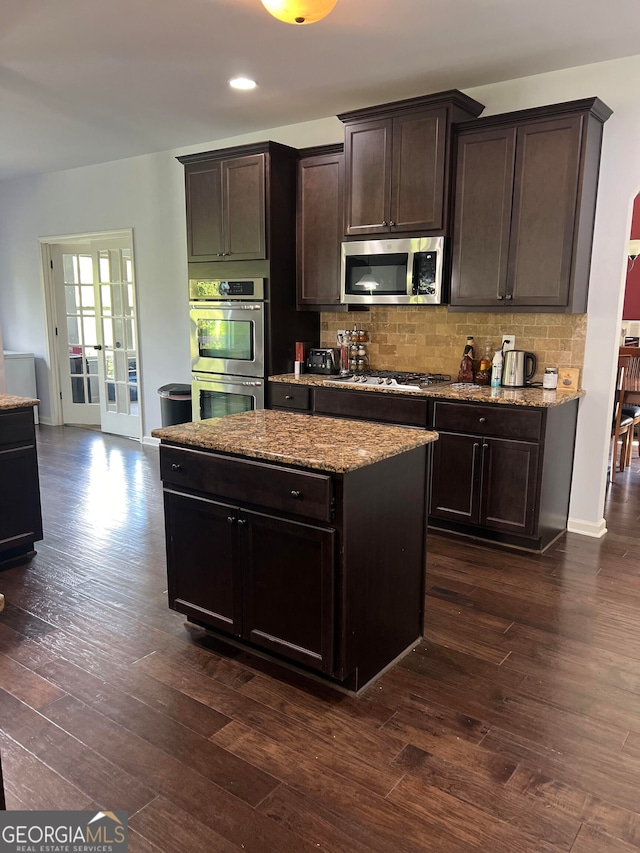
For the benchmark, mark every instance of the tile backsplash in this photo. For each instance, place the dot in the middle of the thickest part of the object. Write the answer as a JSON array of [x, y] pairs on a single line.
[[431, 338]]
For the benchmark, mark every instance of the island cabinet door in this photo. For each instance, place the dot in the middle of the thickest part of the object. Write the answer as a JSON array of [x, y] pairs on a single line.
[[202, 561], [455, 478], [288, 588], [20, 519]]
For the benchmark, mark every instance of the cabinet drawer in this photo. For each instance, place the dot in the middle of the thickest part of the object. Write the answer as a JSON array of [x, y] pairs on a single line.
[[259, 483], [289, 396], [386, 408], [16, 428], [488, 420]]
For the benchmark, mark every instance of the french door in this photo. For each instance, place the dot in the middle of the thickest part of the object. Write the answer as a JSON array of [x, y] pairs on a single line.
[[96, 334]]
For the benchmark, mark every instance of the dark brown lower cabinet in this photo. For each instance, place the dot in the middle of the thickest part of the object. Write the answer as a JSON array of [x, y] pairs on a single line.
[[20, 515], [485, 481], [325, 571], [501, 472]]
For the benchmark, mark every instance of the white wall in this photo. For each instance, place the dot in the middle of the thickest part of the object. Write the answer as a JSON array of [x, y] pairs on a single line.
[[146, 194]]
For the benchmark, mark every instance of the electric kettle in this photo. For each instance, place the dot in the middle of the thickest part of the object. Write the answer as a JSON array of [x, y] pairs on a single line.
[[519, 368]]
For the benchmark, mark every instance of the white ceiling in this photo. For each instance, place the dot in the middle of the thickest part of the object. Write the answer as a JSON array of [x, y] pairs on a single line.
[[86, 81]]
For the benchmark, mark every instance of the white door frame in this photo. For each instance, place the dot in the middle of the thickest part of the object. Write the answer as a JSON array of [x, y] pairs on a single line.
[[48, 286]]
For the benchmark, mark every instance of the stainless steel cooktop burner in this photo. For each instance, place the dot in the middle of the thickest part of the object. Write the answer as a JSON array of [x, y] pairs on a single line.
[[391, 379]]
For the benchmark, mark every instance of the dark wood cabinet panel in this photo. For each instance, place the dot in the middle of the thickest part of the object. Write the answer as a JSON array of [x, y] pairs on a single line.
[[368, 177], [455, 478], [243, 203], [544, 211], [205, 236], [20, 513], [509, 485], [320, 225], [282, 396], [482, 218], [526, 186], [288, 588], [204, 580], [483, 420], [367, 405], [417, 186], [226, 209]]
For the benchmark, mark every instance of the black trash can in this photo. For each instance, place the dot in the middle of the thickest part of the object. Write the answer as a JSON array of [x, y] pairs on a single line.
[[175, 403]]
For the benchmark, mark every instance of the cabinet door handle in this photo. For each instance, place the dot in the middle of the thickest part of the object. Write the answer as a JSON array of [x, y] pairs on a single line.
[[296, 495], [483, 420], [242, 522], [288, 396], [175, 466], [391, 222], [384, 221], [509, 296], [499, 297], [219, 254], [231, 519]]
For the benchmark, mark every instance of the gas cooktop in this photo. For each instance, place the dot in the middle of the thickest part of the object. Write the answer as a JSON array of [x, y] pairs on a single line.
[[391, 379]]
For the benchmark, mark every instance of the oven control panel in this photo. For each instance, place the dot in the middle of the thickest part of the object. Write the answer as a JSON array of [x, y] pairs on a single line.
[[214, 289]]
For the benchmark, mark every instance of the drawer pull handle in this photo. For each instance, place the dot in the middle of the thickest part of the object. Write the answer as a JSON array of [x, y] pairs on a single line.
[[296, 495], [483, 420], [175, 466], [231, 519], [288, 396], [242, 522]]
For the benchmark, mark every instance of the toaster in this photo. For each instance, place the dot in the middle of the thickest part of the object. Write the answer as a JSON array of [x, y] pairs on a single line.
[[323, 360]]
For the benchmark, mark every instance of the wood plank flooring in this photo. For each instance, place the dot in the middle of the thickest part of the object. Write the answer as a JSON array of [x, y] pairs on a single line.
[[513, 728]]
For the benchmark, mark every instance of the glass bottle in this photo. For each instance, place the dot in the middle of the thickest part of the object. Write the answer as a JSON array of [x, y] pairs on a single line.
[[483, 374], [467, 372]]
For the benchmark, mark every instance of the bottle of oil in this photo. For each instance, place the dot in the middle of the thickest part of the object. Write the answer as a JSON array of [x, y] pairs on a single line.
[[483, 374], [467, 371]]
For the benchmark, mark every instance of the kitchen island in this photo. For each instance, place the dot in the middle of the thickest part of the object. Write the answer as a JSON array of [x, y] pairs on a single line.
[[20, 515], [300, 537]]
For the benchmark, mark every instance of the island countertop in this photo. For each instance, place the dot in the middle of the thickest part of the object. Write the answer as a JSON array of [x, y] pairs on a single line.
[[10, 401], [319, 443], [533, 397]]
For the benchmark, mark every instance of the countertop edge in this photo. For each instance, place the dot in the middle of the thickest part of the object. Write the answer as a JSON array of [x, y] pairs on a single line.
[[542, 398], [11, 401]]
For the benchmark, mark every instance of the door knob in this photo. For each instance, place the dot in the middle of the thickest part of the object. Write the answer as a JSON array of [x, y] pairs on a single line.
[[483, 420], [98, 347]]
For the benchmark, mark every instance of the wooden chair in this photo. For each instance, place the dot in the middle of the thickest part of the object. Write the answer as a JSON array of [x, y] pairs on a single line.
[[631, 402], [621, 427]]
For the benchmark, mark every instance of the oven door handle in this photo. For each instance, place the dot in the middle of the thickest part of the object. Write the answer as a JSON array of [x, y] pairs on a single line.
[[247, 383]]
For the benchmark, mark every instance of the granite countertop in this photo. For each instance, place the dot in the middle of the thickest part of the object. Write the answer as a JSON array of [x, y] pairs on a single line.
[[324, 444], [533, 397], [9, 401]]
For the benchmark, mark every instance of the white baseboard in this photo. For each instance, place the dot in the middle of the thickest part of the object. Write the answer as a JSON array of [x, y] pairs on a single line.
[[587, 528], [150, 441], [47, 421]]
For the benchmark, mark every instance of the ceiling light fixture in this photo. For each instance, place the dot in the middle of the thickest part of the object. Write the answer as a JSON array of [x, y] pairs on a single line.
[[242, 83], [299, 11]]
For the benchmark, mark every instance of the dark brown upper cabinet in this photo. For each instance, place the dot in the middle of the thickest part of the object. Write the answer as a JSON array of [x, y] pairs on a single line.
[[397, 164], [226, 209], [319, 231], [525, 197]]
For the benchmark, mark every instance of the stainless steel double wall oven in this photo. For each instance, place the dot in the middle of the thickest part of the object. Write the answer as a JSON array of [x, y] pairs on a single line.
[[228, 332]]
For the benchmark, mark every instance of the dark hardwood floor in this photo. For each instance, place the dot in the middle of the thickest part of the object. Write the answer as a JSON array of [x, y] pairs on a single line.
[[513, 728]]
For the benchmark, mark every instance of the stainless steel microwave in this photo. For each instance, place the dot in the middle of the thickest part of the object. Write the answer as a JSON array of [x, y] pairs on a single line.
[[396, 271]]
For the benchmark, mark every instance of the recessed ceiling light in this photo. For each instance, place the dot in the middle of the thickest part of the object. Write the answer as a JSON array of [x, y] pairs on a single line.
[[242, 83]]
